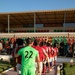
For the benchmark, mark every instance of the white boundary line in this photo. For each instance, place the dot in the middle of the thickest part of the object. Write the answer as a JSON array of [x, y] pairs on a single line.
[[7, 70]]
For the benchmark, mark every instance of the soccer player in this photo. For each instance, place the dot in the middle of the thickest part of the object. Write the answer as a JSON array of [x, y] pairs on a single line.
[[41, 53], [19, 42], [55, 53], [45, 57], [29, 55], [49, 55]]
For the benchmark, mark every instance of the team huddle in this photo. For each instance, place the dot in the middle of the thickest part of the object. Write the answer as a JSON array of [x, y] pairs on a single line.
[[36, 57]]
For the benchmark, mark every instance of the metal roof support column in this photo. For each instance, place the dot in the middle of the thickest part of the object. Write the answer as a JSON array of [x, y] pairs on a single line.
[[8, 24], [64, 21], [34, 22]]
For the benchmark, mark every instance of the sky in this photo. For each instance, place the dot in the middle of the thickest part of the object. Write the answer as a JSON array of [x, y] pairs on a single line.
[[35, 5]]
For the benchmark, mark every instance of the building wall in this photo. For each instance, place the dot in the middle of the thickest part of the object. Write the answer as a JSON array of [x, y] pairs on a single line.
[[2, 27], [51, 29], [21, 27]]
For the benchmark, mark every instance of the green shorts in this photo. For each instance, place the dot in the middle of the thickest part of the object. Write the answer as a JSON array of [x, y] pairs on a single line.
[[28, 71]]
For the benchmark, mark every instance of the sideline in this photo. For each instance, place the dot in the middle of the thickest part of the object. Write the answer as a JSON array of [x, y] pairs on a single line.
[[7, 70]]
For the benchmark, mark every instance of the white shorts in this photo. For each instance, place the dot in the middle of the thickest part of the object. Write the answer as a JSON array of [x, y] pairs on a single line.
[[18, 68], [55, 58], [50, 59]]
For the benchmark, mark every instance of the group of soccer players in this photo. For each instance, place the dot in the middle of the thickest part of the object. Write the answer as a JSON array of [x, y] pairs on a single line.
[[46, 51]]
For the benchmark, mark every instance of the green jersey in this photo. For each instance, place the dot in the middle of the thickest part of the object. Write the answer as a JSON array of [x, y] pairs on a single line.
[[28, 56]]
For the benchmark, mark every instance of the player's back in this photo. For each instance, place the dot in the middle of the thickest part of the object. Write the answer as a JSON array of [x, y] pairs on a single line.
[[28, 56], [40, 50]]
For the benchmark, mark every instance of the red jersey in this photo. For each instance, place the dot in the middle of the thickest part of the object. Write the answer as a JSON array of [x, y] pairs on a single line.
[[19, 58], [45, 49], [49, 51], [52, 52], [55, 51], [40, 50]]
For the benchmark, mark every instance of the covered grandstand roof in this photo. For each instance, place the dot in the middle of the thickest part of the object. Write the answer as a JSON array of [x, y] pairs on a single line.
[[42, 17]]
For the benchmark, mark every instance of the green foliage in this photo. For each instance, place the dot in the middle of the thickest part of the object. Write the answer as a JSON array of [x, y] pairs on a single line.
[[68, 69], [66, 64], [4, 65]]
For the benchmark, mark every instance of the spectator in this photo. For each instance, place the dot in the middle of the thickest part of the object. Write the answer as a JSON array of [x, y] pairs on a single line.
[[61, 50], [19, 42], [1, 46]]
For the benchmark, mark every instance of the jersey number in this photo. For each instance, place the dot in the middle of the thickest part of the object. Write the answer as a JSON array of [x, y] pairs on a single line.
[[27, 53]]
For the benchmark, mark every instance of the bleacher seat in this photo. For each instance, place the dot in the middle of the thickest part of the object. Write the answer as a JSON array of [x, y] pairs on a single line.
[[61, 30], [44, 30], [27, 30], [39, 30], [58, 30], [36, 30], [73, 30], [67, 30], [70, 30], [47, 30], [64, 30], [55, 30]]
